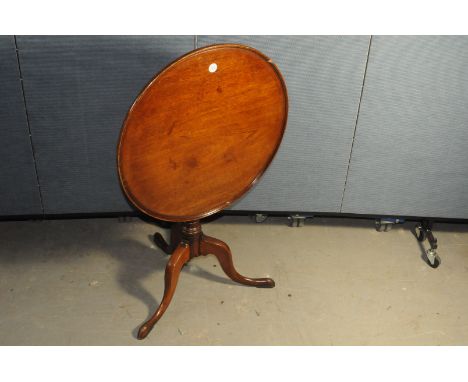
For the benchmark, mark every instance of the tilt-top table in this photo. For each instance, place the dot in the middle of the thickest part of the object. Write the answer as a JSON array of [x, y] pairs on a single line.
[[197, 138]]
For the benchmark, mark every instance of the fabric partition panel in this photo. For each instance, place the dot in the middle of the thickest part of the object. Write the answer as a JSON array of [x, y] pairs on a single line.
[[78, 90], [410, 154], [324, 76], [19, 189]]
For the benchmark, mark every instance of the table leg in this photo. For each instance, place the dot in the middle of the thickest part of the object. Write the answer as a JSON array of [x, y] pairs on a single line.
[[180, 256], [210, 245]]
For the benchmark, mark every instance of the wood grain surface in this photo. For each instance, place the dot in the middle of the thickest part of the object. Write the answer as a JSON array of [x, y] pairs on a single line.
[[202, 132]]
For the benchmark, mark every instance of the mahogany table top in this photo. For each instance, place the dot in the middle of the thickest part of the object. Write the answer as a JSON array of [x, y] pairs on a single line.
[[202, 132]]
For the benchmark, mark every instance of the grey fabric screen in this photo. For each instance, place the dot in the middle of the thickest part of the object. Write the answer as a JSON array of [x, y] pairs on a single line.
[[410, 154], [324, 78], [78, 90], [19, 191]]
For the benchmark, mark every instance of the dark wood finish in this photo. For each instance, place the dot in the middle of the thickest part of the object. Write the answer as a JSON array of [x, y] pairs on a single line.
[[180, 256], [197, 138], [176, 237], [195, 243], [224, 256], [195, 141]]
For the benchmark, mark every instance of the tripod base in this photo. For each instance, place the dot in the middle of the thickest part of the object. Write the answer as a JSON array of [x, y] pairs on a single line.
[[188, 241]]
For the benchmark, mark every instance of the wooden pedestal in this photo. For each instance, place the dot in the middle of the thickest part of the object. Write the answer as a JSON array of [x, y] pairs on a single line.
[[188, 241]]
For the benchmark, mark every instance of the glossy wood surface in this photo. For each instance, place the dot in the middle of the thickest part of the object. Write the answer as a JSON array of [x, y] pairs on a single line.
[[193, 243], [202, 132], [180, 256]]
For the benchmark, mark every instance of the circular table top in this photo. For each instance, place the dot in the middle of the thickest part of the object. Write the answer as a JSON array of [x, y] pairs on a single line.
[[202, 132]]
